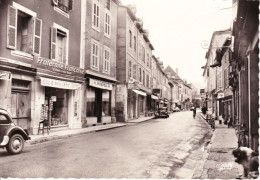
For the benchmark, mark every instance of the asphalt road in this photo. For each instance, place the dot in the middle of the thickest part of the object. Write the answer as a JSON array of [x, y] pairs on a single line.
[[158, 148]]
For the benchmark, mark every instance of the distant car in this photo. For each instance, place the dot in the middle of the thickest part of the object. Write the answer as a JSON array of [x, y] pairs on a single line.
[[176, 109], [12, 137], [162, 113]]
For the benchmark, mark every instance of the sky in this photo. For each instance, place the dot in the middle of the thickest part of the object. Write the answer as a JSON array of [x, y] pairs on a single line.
[[178, 28]]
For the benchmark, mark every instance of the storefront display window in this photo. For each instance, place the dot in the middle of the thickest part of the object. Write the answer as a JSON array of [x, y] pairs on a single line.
[[57, 102], [141, 104], [91, 102], [106, 98]]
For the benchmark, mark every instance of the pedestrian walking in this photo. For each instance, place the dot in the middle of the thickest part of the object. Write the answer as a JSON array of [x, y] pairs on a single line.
[[194, 112]]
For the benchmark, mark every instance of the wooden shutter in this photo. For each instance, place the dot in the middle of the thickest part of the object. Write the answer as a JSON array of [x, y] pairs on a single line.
[[70, 5], [37, 36], [55, 2], [53, 42], [11, 27]]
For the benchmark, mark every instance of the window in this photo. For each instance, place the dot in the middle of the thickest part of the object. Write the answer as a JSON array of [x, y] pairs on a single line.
[[107, 24], [143, 54], [108, 4], [151, 82], [130, 38], [134, 71], [147, 81], [148, 60], [130, 69], [64, 5], [135, 43], [143, 78], [96, 15], [59, 43], [106, 64], [3, 119], [24, 30], [95, 55], [140, 74]]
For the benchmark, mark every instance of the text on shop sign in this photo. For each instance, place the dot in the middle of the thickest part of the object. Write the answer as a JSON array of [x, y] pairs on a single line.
[[100, 84]]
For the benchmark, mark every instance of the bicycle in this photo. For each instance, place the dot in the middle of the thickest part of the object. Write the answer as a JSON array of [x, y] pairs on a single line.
[[242, 136]]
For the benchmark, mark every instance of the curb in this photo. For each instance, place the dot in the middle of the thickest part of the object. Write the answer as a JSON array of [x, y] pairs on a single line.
[[56, 137]]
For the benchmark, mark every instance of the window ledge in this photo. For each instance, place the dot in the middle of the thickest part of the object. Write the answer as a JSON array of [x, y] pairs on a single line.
[[22, 54], [107, 35], [95, 28], [61, 12]]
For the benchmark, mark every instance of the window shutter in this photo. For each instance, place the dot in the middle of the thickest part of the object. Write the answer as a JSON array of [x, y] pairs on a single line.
[[53, 42], [55, 2], [37, 36], [70, 6], [11, 27]]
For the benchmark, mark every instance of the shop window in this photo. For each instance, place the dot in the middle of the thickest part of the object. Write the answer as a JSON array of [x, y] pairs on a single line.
[[24, 30], [141, 104], [57, 102], [106, 101], [59, 44], [95, 55], [96, 15], [91, 102], [107, 24]]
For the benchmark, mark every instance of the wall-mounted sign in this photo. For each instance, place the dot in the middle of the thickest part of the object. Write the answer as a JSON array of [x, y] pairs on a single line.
[[100, 84], [59, 67], [59, 84], [220, 95]]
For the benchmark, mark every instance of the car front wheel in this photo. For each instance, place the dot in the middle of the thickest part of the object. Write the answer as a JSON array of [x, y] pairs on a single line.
[[15, 145]]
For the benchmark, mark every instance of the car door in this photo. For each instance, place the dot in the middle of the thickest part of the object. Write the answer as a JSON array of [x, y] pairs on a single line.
[[4, 126]]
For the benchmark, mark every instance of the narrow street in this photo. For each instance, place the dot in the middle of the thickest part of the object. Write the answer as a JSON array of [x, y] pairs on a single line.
[[158, 148]]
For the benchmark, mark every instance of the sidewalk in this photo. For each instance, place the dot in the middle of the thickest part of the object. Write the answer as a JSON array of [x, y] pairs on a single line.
[[218, 161], [75, 132]]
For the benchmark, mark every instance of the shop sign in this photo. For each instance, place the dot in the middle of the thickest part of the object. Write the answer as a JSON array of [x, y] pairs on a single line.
[[59, 84], [6, 75], [59, 67], [100, 84], [220, 95]]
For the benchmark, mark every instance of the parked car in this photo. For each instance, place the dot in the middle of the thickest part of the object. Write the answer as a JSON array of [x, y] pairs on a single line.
[[12, 137], [176, 109], [162, 113]]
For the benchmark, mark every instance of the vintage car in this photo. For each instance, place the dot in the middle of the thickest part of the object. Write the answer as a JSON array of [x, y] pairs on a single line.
[[162, 113], [12, 137]]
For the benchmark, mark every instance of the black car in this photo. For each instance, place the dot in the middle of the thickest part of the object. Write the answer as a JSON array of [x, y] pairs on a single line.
[[162, 113], [12, 137]]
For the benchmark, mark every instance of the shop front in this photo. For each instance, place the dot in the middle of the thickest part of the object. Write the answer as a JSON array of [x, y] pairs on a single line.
[[98, 102], [57, 95]]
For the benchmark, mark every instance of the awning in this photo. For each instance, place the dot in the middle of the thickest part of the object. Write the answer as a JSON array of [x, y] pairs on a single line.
[[59, 84], [154, 97], [139, 92]]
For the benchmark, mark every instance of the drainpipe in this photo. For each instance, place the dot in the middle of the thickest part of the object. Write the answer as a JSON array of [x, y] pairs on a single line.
[[249, 104]]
